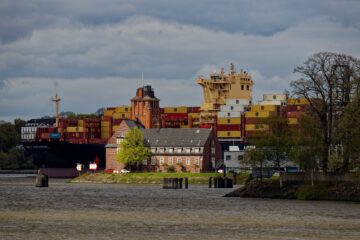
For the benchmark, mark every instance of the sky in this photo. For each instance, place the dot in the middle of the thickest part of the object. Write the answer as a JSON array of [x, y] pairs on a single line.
[[95, 53]]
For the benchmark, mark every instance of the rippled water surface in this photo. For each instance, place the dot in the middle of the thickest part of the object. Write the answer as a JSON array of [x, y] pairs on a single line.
[[98, 211]]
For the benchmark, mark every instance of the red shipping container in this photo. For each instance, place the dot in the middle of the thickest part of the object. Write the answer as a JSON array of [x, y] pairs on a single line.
[[294, 114], [174, 115], [228, 127], [117, 122], [193, 109], [252, 120]]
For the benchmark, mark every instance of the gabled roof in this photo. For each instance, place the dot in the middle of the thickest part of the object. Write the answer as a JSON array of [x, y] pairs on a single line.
[[176, 137], [131, 124]]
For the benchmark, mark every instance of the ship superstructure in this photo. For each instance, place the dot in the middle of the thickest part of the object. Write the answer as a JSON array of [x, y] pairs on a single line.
[[219, 87]]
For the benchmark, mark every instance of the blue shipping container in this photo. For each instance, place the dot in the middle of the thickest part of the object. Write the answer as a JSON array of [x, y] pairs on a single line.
[[54, 135]]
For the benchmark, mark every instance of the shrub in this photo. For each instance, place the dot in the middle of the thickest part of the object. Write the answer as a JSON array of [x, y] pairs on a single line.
[[308, 192], [170, 168]]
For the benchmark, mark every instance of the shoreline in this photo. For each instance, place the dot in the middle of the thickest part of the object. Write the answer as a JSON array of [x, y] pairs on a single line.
[[328, 191]]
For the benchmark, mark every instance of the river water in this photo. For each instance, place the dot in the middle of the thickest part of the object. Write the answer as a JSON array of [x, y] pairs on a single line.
[[99, 211]]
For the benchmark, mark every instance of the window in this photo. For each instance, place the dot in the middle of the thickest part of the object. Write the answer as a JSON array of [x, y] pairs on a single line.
[[242, 87], [187, 161], [179, 150], [228, 114], [274, 97], [196, 150], [228, 133], [153, 161], [179, 161], [212, 150], [123, 115], [228, 121], [118, 140], [170, 150], [237, 101], [188, 150], [170, 161], [228, 157], [247, 87], [175, 109], [161, 161], [197, 161], [232, 107], [161, 150], [262, 107], [126, 109], [145, 162], [240, 157], [153, 150], [257, 114]]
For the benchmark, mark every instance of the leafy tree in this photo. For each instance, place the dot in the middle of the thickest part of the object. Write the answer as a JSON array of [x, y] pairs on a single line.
[[275, 141], [133, 149], [328, 81], [256, 157], [8, 137], [348, 133], [308, 147], [19, 123]]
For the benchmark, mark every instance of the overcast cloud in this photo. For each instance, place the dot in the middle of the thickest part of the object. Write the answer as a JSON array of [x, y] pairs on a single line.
[[93, 53]]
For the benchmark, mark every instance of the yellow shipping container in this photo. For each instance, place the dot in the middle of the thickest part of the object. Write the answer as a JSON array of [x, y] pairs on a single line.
[[293, 121], [108, 112], [175, 110], [259, 114], [297, 101], [115, 128], [256, 127], [263, 108], [184, 126], [229, 120], [228, 134], [105, 123], [105, 135], [80, 123], [122, 109], [194, 115], [121, 115], [75, 129]]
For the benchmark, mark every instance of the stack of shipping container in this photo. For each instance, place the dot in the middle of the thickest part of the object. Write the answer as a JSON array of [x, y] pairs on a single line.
[[294, 109], [254, 118], [229, 123]]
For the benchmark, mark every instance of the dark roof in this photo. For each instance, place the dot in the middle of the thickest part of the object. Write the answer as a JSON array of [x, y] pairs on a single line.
[[48, 121], [132, 124], [176, 137]]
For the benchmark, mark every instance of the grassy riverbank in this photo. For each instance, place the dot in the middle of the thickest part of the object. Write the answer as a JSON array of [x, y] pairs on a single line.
[[149, 178], [339, 191]]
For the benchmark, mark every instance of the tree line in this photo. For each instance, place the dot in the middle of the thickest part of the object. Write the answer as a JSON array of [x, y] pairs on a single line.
[[328, 136], [12, 154]]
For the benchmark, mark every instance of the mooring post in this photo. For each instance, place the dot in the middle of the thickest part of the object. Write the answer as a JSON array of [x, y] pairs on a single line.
[[180, 183], [210, 182], [186, 183]]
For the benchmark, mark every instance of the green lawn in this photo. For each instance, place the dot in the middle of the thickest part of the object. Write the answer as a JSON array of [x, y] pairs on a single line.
[[146, 178]]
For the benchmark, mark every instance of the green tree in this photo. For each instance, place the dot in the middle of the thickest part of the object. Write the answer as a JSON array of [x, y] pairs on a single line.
[[9, 137], [256, 157], [133, 150], [275, 141], [308, 148], [348, 133]]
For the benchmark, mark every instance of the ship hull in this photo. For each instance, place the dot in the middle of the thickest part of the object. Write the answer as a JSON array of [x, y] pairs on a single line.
[[65, 155]]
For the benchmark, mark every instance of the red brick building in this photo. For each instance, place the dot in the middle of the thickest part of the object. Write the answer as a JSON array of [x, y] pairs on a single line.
[[186, 149]]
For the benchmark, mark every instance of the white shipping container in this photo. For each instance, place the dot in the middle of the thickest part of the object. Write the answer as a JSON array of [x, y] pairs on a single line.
[[276, 97], [233, 101], [236, 108], [273, 102], [229, 114]]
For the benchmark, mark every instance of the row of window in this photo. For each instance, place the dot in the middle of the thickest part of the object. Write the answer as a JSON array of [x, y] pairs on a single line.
[[228, 157], [176, 150], [171, 161], [247, 87]]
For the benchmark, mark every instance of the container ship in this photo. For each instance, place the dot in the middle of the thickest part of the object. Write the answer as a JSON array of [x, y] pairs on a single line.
[[227, 107]]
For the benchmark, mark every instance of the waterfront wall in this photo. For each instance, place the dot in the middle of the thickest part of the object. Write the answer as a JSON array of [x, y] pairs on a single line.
[[317, 177]]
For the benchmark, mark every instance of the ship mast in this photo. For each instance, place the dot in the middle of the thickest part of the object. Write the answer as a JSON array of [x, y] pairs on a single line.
[[56, 100]]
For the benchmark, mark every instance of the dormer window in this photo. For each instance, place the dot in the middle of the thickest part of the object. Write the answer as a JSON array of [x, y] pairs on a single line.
[[179, 150], [188, 150], [170, 150], [153, 150]]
